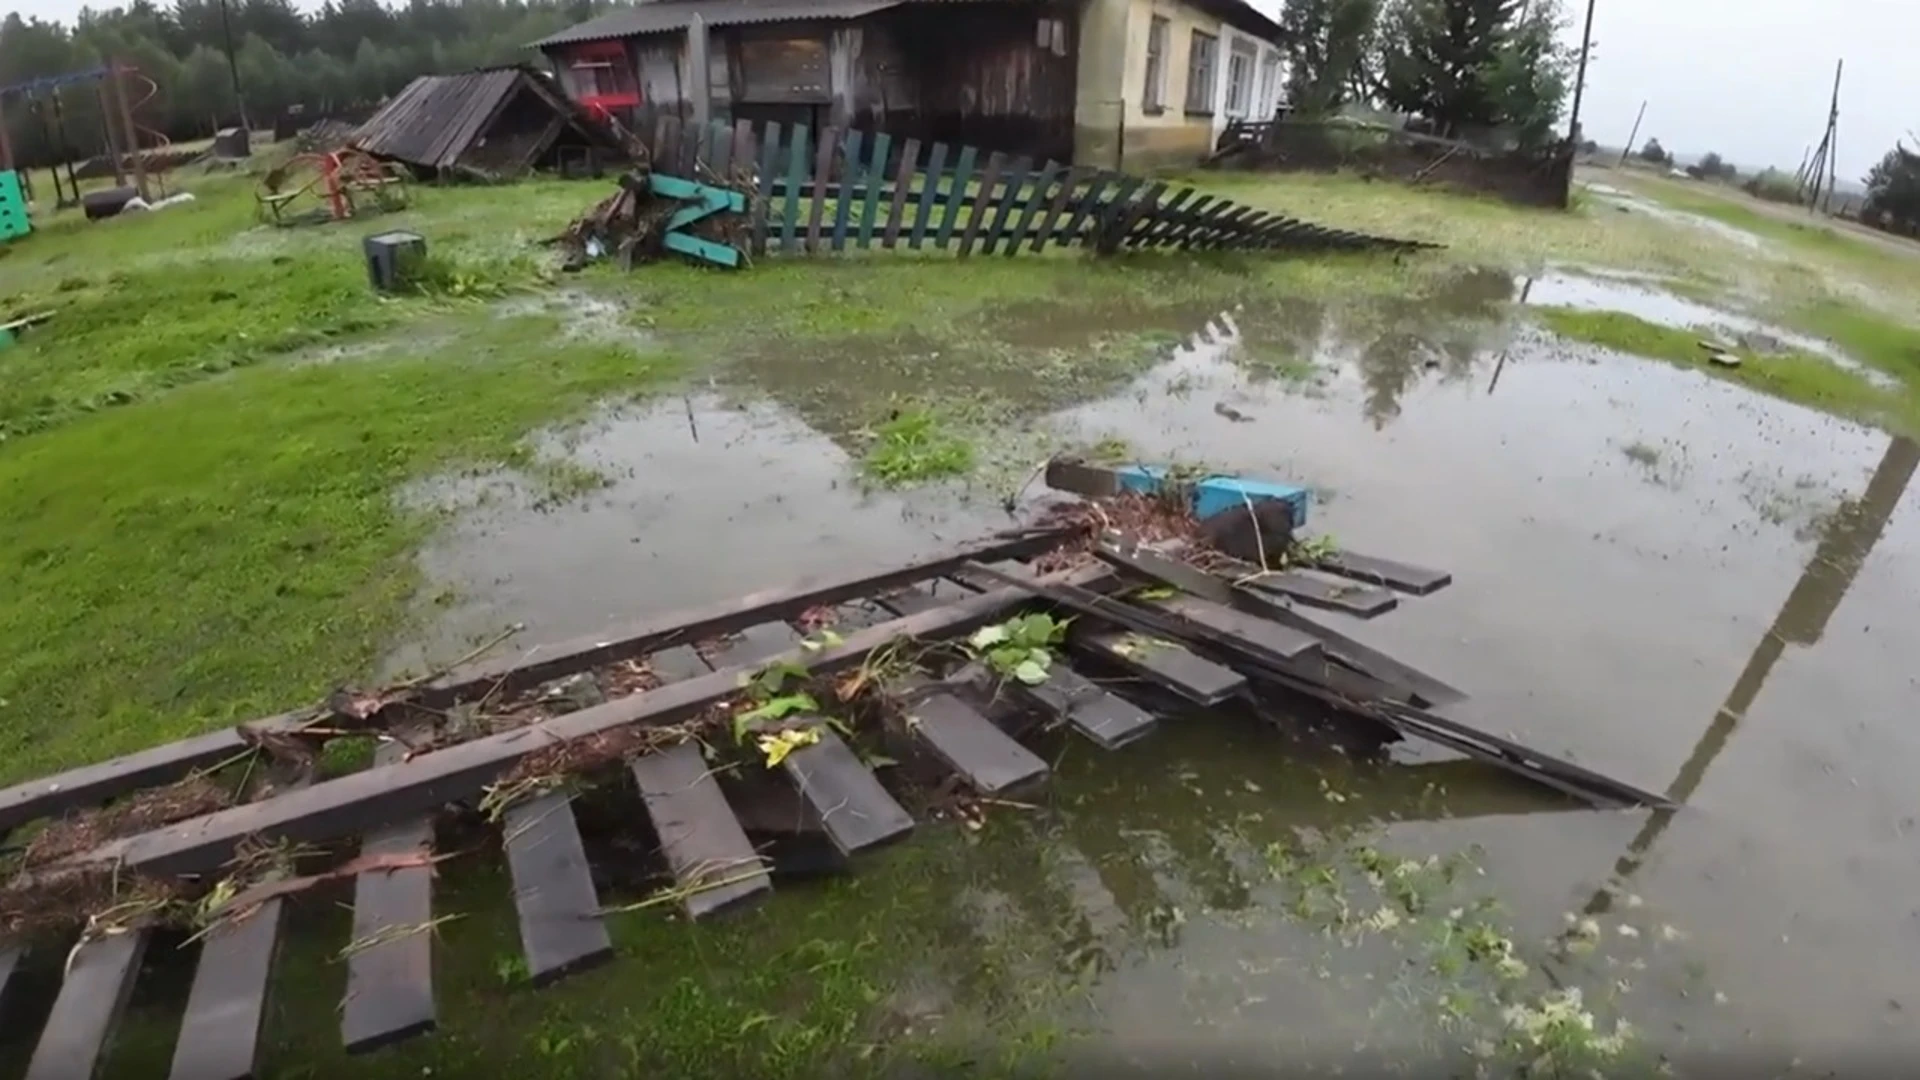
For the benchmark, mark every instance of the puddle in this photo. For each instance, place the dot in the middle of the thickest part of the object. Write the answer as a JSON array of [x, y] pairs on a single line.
[[1646, 298], [1632, 203], [582, 315]]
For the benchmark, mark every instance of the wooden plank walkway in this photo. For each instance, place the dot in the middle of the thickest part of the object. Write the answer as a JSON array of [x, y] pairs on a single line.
[[857, 197]]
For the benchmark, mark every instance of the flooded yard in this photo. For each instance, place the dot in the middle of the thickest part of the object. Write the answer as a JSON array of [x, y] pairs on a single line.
[[1664, 576]]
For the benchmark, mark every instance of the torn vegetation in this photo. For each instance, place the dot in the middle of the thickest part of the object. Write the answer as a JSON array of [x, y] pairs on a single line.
[[1020, 648]]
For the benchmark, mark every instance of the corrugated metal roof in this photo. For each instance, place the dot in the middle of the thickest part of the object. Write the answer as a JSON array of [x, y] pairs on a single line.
[[664, 15], [437, 118]]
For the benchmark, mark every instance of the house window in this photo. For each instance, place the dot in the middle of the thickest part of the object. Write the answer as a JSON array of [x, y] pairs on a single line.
[[1051, 35], [1201, 64], [1269, 84], [1240, 79], [1154, 97]]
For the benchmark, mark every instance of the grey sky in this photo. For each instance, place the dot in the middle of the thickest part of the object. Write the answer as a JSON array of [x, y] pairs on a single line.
[[1746, 78]]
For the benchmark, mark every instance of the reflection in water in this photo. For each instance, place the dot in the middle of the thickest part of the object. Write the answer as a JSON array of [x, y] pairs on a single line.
[[1846, 537]]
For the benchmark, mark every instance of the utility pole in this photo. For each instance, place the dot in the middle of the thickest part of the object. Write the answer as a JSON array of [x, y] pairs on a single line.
[[233, 67], [1634, 134], [1825, 169], [1580, 81]]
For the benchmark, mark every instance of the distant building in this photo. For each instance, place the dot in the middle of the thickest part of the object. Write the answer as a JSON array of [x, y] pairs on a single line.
[[1137, 83]]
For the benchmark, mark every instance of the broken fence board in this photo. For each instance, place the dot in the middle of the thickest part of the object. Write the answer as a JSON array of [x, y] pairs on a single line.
[[875, 178], [561, 930], [902, 183], [929, 194], [982, 202], [988, 759], [1164, 663], [822, 175], [720, 152], [763, 205], [745, 150], [1179, 224], [1069, 183], [796, 175], [351, 803], [1279, 641], [956, 196], [1108, 212], [845, 195], [220, 1031], [1162, 219], [1043, 182], [1417, 580], [714, 866], [1356, 599], [660, 155], [1088, 202], [1129, 217], [1003, 209], [99, 978], [390, 970], [1109, 720], [854, 808]]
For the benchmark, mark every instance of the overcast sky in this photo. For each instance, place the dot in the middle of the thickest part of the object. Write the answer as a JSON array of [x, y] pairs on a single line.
[[1747, 78]]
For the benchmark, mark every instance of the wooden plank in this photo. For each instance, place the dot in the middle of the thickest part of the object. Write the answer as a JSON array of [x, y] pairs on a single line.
[[1405, 577], [982, 202], [1043, 182], [1181, 223], [844, 197], [855, 810], [1069, 182], [796, 174], [390, 971], [1202, 225], [988, 759], [1110, 721], [99, 978], [1162, 219], [1107, 216], [875, 176], [769, 164], [746, 155], [220, 1032], [665, 139], [822, 175], [1360, 600], [720, 151], [1088, 202], [929, 193], [712, 862], [902, 180], [1131, 214], [1247, 229], [1016, 179], [561, 931], [956, 195], [1217, 230], [755, 644], [93, 784], [348, 804], [1282, 642], [692, 149], [1164, 663]]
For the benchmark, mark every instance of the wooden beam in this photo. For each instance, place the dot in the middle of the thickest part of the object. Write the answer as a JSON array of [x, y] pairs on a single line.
[[857, 812], [98, 981], [1405, 577], [349, 804], [1357, 599], [1109, 720], [1165, 663], [988, 759], [713, 864], [561, 930], [390, 969]]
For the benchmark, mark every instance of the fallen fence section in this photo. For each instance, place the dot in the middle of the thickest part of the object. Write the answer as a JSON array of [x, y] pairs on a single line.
[[838, 189], [717, 831]]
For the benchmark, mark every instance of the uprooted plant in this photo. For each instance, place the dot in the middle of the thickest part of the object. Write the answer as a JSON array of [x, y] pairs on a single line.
[[1020, 648]]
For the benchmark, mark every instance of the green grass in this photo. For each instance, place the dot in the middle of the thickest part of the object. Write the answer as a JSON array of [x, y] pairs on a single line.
[[915, 447], [1797, 377]]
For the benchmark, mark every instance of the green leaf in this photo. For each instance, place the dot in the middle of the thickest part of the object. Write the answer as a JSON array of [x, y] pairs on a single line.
[[831, 639], [989, 636], [776, 708], [1030, 672]]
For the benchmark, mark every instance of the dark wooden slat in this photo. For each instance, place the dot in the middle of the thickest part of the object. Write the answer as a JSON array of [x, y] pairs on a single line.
[[1166, 663], [99, 978], [987, 758], [929, 193], [875, 177], [220, 1032], [796, 174], [1123, 222], [92, 784], [708, 851], [1182, 222], [902, 180], [822, 176], [665, 139], [1268, 637], [855, 810], [755, 644], [348, 804], [1043, 182], [693, 150], [769, 164], [1205, 224], [1016, 179], [561, 931], [982, 202], [844, 196], [956, 196], [1236, 238], [720, 151], [1361, 600], [1084, 207], [1109, 720], [745, 150], [390, 984], [1221, 228], [1069, 183], [1105, 214], [1417, 580], [1162, 219]]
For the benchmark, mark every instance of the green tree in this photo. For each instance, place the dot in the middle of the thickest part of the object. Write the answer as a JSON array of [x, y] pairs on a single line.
[[1893, 192], [1436, 56], [1324, 42], [1653, 152]]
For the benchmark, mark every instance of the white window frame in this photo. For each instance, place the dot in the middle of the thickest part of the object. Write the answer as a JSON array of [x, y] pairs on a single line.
[[1153, 94], [1200, 87], [1243, 61]]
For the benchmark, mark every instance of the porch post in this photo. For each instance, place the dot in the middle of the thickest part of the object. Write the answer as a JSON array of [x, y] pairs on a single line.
[[699, 78]]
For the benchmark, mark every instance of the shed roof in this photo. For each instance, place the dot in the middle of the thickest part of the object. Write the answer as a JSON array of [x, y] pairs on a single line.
[[437, 118]]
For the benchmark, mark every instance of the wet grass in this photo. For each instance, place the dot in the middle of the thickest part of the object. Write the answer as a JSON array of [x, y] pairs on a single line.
[[1794, 376], [915, 447]]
